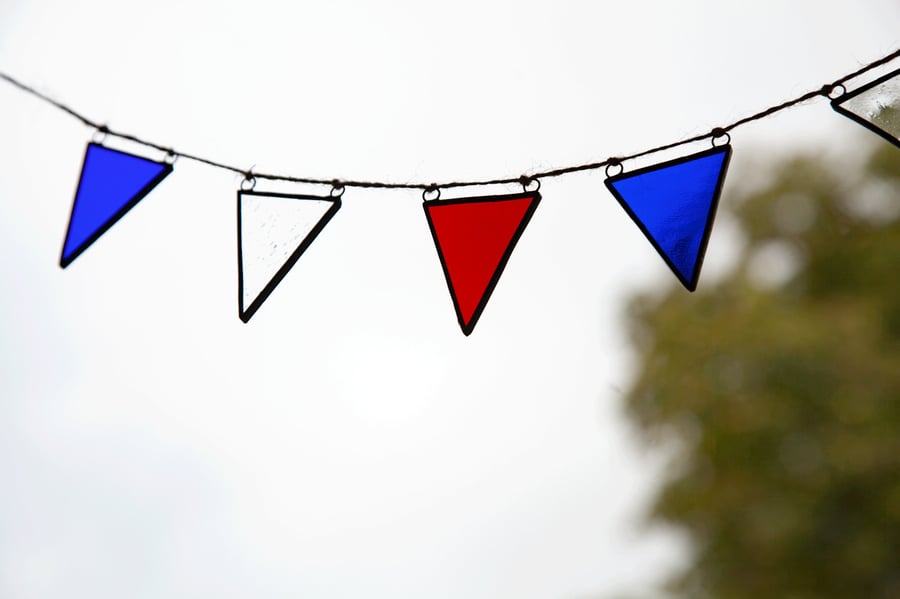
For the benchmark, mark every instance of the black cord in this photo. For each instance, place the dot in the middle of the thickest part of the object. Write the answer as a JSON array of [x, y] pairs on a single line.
[[717, 132]]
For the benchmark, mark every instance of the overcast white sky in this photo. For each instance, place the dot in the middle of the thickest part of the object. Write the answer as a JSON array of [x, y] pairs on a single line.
[[350, 441]]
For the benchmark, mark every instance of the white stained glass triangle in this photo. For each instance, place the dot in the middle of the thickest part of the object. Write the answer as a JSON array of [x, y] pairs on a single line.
[[877, 106], [274, 230]]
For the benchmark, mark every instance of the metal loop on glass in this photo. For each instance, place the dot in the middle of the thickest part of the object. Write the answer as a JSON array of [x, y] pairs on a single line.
[[431, 189], [718, 134], [612, 163], [835, 91], [99, 135], [527, 182]]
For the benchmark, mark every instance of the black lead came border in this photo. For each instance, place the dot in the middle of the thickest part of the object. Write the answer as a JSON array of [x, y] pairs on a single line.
[[836, 104], [246, 314], [63, 261], [535, 198], [690, 284]]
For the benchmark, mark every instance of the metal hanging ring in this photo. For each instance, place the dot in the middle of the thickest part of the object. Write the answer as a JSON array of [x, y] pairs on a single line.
[[248, 183], [527, 181], [431, 189], [611, 163], [170, 157], [337, 189], [100, 134], [719, 133], [834, 88]]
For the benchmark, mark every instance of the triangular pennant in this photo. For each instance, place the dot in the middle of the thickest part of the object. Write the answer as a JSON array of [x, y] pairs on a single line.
[[875, 106], [274, 229], [674, 204], [111, 184], [475, 238]]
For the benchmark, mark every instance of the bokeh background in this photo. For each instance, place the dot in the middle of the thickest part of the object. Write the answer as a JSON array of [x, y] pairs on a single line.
[[350, 441]]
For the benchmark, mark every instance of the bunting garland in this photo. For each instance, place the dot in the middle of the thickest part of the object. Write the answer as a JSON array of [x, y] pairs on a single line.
[[673, 203]]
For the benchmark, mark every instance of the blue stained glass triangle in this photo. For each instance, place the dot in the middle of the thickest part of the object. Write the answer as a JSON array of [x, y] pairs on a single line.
[[674, 204], [111, 183]]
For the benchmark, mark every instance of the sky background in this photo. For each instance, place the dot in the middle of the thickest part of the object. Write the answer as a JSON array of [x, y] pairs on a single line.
[[350, 441]]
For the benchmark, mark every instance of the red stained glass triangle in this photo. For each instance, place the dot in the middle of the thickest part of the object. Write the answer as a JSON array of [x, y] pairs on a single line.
[[474, 239]]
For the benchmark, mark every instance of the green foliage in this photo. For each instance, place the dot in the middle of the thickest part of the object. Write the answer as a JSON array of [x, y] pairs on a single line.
[[782, 396]]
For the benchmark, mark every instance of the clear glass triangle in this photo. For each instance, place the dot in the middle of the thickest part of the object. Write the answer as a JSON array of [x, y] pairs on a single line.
[[876, 106], [274, 230]]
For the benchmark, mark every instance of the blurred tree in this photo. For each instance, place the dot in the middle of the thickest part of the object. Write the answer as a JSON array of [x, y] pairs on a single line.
[[780, 390]]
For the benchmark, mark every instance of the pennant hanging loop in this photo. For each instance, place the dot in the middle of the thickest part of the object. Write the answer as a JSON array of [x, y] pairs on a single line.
[[612, 163], [717, 134], [249, 182], [337, 189], [170, 157], [100, 134], [829, 89], [432, 193], [530, 184]]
